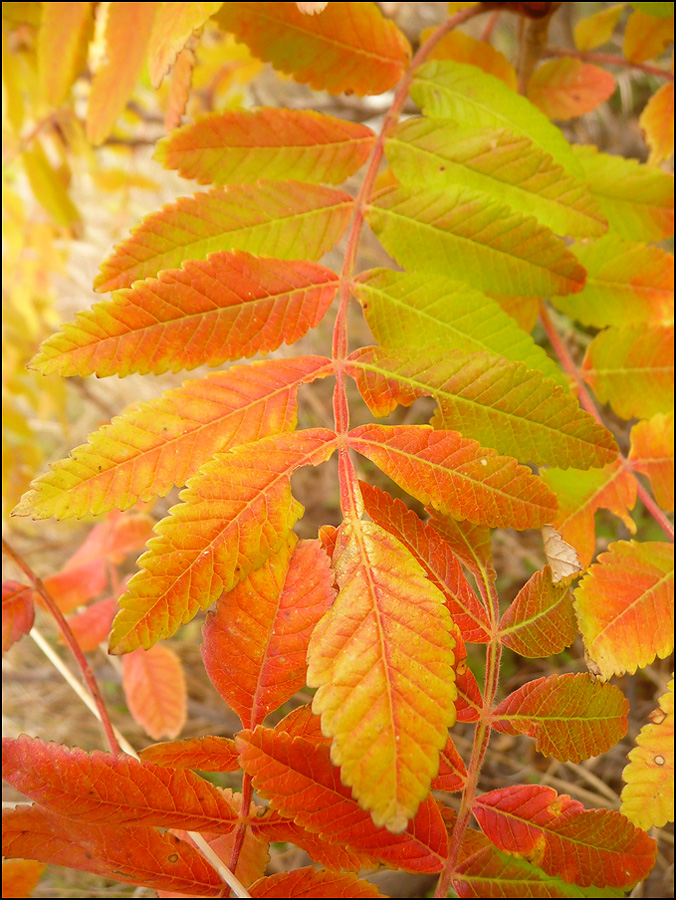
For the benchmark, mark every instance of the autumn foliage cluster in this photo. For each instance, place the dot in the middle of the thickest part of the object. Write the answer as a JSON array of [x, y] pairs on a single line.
[[492, 217]]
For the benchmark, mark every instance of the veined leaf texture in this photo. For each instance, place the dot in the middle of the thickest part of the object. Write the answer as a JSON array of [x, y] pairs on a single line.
[[388, 620]]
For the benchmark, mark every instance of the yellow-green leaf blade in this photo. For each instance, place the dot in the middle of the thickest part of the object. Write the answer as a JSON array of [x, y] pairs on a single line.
[[228, 306], [234, 514], [457, 476], [627, 283], [174, 24], [247, 145], [286, 220], [406, 309], [452, 90], [159, 444], [498, 403], [382, 661], [637, 200], [463, 234], [506, 165]]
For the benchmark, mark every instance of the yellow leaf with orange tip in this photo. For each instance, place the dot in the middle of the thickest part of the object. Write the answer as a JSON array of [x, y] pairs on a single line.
[[467, 49], [595, 30], [646, 37], [652, 453], [127, 32], [382, 661], [648, 796], [62, 47], [657, 122]]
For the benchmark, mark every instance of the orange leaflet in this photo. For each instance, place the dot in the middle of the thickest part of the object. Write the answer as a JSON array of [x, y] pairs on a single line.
[[541, 620], [155, 690], [209, 754], [565, 88], [17, 612]]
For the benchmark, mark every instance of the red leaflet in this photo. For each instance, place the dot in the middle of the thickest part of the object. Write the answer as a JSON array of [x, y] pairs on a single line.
[[210, 754], [456, 476], [100, 789], [435, 556], [246, 145], [570, 716], [452, 772], [275, 827], [300, 781], [91, 627], [541, 620], [553, 832], [227, 306], [17, 612], [471, 544], [256, 640], [136, 854]]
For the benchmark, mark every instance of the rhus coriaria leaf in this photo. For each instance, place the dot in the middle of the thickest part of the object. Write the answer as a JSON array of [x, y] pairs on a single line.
[[244, 146], [17, 612], [625, 606], [234, 514], [457, 476], [382, 660], [280, 219], [349, 644], [298, 777], [256, 640], [571, 717], [100, 789], [587, 847], [160, 444], [229, 306], [347, 48]]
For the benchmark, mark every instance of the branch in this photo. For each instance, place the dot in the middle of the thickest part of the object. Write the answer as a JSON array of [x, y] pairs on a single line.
[[610, 59]]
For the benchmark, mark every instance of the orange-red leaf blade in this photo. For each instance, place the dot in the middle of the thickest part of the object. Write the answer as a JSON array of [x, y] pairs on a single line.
[[349, 47], [652, 452], [540, 621], [209, 754], [154, 687], [161, 443], [456, 476], [233, 516], [236, 147], [586, 847], [255, 642], [309, 882], [571, 717], [566, 87]]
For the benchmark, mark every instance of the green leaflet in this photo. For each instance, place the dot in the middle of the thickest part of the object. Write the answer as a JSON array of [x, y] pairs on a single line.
[[411, 310], [465, 235], [507, 166], [452, 90]]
